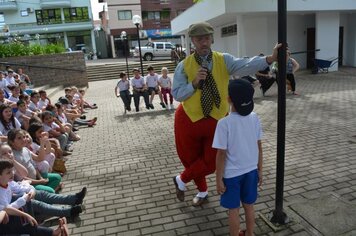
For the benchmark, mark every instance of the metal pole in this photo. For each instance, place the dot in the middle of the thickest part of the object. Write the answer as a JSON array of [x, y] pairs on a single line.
[[278, 215], [126, 50], [139, 48]]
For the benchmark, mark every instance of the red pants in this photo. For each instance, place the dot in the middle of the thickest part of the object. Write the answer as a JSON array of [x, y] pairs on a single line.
[[164, 92], [193, 142]]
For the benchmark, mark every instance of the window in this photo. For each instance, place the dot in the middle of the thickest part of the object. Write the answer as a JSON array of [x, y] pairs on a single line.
[[151, 15], [2, 18], [76, 14], [124, 15], [168, 46], [48, 16], [229, 30], [159, 46]]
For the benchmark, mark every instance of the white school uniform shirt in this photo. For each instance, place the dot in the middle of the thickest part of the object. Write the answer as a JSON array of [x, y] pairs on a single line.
[[10, 81], [152, 80], [3, 84], [165, 82], [24, 157], [14, 188], [42, 104], [4, 131], [33, 107], [14, 99], [123, 85], [138, 83], [63, 118], [19, 115], [47, 128], [238, 135]]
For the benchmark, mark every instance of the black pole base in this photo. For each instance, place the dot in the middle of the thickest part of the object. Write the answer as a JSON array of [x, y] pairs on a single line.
[[279, 217]]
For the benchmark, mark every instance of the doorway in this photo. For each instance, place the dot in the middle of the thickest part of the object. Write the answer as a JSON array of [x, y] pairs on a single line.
[[310, 47]]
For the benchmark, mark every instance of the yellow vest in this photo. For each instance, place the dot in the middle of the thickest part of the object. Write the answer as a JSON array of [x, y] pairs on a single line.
[[192, 105]]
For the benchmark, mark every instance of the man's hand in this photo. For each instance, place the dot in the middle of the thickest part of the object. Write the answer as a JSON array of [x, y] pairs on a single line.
[[220, 186], [274, 57], [201, 75], [43, 181]]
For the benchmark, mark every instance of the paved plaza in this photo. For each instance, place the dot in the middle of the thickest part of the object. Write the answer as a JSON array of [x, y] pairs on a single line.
[[128, 161]]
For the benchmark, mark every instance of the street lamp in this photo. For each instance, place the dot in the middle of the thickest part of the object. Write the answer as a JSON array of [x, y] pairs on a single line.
[[123, 37], [136, 20]]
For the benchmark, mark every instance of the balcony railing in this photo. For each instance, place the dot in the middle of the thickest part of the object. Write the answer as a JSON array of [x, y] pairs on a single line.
[[34, 27], [55, 3], [8, 5]]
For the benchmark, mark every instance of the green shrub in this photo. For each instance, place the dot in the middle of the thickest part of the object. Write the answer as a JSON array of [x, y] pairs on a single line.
[[19, 49]]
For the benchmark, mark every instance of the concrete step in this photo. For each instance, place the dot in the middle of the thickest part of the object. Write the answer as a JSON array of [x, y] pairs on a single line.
[[112, 70]]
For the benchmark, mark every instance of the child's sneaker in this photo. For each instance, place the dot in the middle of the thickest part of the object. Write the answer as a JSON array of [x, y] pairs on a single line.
[[172, 107], [163, 105]]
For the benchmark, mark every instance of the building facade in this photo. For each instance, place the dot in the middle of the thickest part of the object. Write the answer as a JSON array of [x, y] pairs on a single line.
[[156, 17], [68, 22], [322, 29]]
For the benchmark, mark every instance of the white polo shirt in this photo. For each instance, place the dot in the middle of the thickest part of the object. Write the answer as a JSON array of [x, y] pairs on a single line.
[[238, 135], [152, 80], [138, 83], [165, 82]]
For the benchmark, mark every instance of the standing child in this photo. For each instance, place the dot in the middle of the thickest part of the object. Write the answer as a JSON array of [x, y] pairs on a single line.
[[152, 84], [124, 88], [239, 156], [165, 83]]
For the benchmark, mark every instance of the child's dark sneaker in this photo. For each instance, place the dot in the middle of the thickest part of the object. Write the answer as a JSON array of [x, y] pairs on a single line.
[[80, 196], [76, 210], [163, 105]]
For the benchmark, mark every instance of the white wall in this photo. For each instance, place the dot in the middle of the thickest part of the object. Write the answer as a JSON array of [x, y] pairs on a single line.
[[327, 36]]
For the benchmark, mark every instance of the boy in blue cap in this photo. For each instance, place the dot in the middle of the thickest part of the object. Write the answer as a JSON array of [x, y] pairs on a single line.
[[239, 156]]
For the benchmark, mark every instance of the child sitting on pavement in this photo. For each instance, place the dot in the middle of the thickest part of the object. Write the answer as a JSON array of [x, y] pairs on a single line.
[[123, 85], [87, 104], [165, 83], [51, 182], [239, 156], [24, 114], [152, 84]]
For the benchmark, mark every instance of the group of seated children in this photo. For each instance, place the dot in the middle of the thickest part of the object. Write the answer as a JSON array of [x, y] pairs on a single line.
[[147, 87], [35, 135]]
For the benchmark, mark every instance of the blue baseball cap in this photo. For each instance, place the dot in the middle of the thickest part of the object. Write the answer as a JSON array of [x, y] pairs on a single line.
[[241, 94]]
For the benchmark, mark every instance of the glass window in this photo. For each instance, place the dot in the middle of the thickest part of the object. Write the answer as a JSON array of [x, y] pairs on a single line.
[[48, 16], [168, 46], [124, 15], [151, 15], [159, 45], [76, 14], [2, 18]]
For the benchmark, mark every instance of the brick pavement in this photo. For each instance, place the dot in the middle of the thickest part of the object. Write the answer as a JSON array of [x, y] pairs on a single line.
[[127, 162]]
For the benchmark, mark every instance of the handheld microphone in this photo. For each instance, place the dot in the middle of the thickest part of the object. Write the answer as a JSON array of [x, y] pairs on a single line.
[[205, 65]]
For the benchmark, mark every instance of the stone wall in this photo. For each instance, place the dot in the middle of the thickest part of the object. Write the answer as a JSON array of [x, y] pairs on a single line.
[[67, 69]]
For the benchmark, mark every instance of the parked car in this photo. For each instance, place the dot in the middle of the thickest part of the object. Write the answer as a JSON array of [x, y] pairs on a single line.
[[154, 49]]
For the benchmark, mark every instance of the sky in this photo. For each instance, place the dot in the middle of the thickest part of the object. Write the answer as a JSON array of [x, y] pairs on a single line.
[[96, 8]]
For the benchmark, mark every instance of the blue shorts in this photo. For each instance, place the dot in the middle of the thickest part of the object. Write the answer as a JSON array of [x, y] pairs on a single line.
[[240, 188]]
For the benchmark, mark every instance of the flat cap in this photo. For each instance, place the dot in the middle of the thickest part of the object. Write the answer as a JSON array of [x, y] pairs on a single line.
[[201, 28]]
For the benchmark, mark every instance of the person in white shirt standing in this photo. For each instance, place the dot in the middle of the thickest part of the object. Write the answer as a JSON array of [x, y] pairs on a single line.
[[239, 156]]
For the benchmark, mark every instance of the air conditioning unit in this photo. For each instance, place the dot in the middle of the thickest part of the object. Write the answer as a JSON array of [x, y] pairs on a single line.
[[30, 10]]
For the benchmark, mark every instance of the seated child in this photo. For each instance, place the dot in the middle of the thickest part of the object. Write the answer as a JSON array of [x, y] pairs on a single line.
[[44, 100], [16, 140], [123, 85], [24, 114], [37, 206], [152, 84], [87, 104], [55, 129], [165, 83], [44, 149]]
